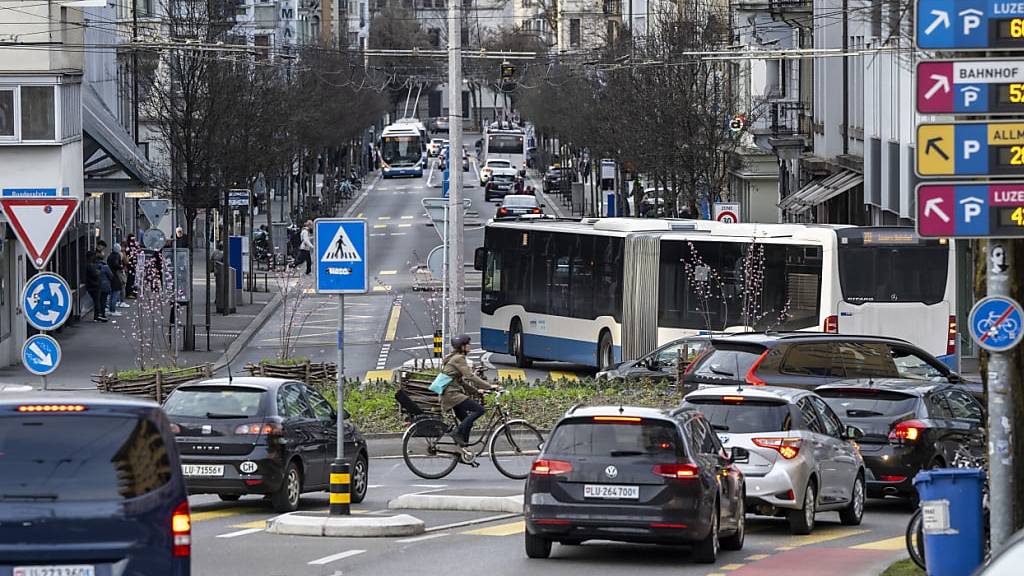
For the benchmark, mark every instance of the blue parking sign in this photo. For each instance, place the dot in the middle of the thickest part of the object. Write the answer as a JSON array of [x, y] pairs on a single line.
[[996, 323], [340, 249]]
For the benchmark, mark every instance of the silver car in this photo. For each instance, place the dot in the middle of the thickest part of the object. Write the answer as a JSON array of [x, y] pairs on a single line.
[[800, 458]]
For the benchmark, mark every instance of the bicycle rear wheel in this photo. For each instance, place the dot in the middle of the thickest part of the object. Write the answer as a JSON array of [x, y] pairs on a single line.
[[514, 446], [427, 450], [915, 539]]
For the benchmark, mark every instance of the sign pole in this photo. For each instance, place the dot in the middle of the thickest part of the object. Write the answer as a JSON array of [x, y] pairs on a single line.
[[44, 382], [341, 474], [1000, 407]]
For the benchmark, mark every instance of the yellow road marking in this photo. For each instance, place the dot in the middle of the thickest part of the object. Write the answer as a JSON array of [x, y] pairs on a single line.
[[385, 375], [897, 543], [731, 567], [819, 537], [383, 217], [500, 529], [559, 375], [387, 272], [379, 226], [407, 217], [756, 557], [405, 225], [392, 330], [360, 215], [226, 513], [253, 524], [512, 374], [384, 288]]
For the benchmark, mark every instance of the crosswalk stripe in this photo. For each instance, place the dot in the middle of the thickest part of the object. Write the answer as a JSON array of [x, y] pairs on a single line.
[[378, 375], [557, 375], [820, 536], [897, 543], [407, 217], [379, 226], [512, 374], [333, 557], [499, 530]]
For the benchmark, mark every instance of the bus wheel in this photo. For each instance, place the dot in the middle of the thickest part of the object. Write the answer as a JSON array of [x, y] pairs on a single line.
[[605, 353], [516, 344]]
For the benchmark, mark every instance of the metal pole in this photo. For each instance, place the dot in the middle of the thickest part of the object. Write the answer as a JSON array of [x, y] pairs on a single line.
[[454, 229], [210, 239], [44, 382], [1000, 407], [445, 273], [341, 376], [174, 281], [341, 474]]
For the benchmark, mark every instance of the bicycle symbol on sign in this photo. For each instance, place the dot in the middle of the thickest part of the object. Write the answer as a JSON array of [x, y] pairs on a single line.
[[1007, 327]]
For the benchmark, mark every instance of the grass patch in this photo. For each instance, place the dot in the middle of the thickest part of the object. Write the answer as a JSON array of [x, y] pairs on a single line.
[[905, 567], [285, 361], [135, 373]]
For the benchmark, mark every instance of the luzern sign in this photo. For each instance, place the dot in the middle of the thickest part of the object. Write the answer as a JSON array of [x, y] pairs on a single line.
[[970, 24], [971, 210], [970, 87]]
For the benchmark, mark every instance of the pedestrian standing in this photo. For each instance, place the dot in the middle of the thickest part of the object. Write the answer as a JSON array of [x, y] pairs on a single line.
[[106, 283], [306, 246], [92, 286], [119, 280], [129, 260]]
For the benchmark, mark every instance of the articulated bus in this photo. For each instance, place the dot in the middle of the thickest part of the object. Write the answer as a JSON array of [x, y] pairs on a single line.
[[403, 149], [505, 141], [599, 291]]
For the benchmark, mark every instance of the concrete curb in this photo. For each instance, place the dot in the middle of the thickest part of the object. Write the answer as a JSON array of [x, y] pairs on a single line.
[[246, 335], [346, 526], [507, 504]]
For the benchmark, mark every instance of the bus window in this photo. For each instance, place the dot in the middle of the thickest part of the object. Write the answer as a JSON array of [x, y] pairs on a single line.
[[865, 273], [505, 144]]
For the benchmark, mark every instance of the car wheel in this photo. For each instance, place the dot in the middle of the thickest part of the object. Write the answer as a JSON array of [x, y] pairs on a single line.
[[802, 521], [706, 551], [852, 514], [537, 547], [735, 540], [360, 479], [286, 498], [605, 353], [516, 343], [229, 497]]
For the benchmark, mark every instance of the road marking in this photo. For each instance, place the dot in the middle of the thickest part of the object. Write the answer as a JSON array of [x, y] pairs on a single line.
[[397, 234], [405, 225], [360, 215], [471, 522], [385, 375], [384, 288], [240, 533], [387, 272], [731, 567], [379, 226], [377, 234], [422, 538], [429, 485], [382, 358], [407, 217], [499, 530], [214, 514], [819, 537], [897, 543], [333, 557], [559, 375], [512, 374], [261, 524], [392, 330], [383, 217], [756, 557]]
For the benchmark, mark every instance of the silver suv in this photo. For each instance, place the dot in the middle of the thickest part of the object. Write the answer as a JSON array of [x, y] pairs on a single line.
[[801, 458]]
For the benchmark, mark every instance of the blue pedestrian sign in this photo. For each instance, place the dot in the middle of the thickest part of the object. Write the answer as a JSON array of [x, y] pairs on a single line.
[[340, 250], [996, 323], [46, 300], [41, 354]]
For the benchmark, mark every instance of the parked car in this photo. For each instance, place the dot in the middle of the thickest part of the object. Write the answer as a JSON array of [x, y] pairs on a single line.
[[552, 179], [440, 124], [801, 460], [90, 485], [491, 165], [661, 364], [1007, 560], [261, 436], [634, 475], [908, 426], [514, 205], [499, 186], [810, 359]]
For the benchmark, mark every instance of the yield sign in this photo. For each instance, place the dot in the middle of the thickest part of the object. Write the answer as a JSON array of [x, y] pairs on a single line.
[[39, 223], [155, 209]]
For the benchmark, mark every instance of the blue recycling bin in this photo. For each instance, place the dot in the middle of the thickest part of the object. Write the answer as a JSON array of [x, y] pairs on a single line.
[[953, 519]]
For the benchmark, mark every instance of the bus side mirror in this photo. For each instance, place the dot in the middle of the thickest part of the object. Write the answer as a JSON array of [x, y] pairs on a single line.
[[480, 259]]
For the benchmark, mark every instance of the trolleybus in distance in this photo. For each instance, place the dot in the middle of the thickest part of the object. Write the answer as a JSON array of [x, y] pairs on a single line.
[[402, 150]]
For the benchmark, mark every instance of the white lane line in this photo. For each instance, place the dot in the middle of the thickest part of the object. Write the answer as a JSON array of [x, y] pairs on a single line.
[[240, 533], [471, 522], [376, 486], [396, 234], [429, 485], [333, 557], [407, 217], [421, 538]]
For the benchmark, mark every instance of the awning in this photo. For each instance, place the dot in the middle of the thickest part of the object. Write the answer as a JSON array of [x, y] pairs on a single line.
[[819, 191], [113, 162]]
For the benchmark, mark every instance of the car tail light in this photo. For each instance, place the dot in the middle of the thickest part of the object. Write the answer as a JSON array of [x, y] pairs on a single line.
[[891, 478], [502, 212], [619, 419], [732, 399], [52, 408], [752, 378], [951, 336], [536, 210], [181, 530], [175, 429], [551, 522], [677, 470], [667, 525], [544, 467], [908, 430], [831, 325], [788, 448], [267, 428]]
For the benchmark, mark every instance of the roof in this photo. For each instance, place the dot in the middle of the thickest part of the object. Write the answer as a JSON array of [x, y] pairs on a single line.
[[584, 411], [90, 397], [907, 386], [751, 392], [255, 381]]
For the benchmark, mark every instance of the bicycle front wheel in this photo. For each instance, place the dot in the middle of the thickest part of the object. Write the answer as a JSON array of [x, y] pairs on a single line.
[[427, 450], [514, 446], [915, 539]]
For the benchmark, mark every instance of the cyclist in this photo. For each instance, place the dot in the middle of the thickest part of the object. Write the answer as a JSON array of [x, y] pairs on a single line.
[[465, 385]]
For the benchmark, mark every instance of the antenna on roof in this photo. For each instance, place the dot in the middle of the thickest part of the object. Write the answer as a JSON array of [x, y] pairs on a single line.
[[739, 382], [230, 377], [621, 409]]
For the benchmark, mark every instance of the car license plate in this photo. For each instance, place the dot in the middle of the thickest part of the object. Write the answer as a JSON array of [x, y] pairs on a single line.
[[79, 570], [611, 491], [207, 470]]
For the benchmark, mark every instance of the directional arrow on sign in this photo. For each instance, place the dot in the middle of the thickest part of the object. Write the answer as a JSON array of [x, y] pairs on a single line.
[[44, 358], [941, 83], [941, 17], [933, 144], [932, 206]]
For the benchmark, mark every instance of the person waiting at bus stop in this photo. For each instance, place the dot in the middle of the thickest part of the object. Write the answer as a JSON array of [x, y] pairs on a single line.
[[459, 395]]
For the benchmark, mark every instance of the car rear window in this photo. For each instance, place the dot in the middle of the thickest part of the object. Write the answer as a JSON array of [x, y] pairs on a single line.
[[63, 457], [744, 417], [215, 402], [868, 404], [520, 201], [725, 363], [608, 439]]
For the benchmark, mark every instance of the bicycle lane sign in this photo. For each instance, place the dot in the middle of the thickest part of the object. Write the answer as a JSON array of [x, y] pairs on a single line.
[[997, 323]]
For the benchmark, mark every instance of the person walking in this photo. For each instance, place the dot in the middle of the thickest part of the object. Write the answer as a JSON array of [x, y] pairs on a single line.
[[92, 286], [118, 280], [306, 246]]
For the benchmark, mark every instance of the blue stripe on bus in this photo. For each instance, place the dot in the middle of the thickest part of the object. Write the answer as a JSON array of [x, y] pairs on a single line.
[[546, 347]]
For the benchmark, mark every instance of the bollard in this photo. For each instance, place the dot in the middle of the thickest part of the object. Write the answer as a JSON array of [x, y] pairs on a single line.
[[341, 486], [438, 344]]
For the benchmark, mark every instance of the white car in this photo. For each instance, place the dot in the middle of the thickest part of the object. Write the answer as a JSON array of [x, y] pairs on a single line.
[[801, 459], [491, 165], [435, 146]]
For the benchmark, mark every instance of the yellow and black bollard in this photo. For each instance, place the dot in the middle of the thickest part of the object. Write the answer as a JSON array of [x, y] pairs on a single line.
[[438, 344], [341, 488]]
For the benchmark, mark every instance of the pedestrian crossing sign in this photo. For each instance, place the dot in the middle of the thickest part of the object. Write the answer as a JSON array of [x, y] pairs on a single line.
[[340, 248]]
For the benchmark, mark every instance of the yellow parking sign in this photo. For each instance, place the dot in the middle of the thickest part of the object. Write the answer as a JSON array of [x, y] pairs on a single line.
[[935, 144]]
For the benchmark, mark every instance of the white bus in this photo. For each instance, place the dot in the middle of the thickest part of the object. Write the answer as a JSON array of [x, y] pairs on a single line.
[[505, 141], [599, 291], [403, 149]]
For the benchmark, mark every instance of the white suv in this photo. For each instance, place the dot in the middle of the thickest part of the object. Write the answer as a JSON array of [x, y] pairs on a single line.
[[801, 461]]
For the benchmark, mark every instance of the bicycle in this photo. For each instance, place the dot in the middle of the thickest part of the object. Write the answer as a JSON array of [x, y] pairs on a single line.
[[511, 444]]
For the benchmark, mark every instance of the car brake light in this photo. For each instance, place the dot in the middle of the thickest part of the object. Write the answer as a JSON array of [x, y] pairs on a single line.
[[732, 398], [52, 408], [908, 430], [544, 467], [268, 428], [789, 448], [620, 419], [175, 429], [752, 378], [891, 478], [181, 530], [536, 210], [831, 325], [677, 470], [951, 336], [502, 212]]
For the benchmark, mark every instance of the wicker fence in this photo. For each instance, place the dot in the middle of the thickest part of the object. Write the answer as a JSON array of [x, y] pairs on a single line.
[[316, 374], [155, 385]]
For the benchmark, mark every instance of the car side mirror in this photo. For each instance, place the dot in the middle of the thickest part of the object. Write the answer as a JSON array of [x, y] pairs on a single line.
[[480, 259], [739, 455], [853, 433]]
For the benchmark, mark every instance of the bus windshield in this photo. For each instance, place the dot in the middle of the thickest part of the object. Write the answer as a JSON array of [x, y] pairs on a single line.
[[866, 272], [401, 150], [505, 144]]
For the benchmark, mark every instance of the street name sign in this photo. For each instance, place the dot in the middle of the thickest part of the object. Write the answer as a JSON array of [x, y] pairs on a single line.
[[970, 149], [340, 250], [996, 323], [39, 222], [969, 24], [19, 192], [970, 87], [46, 300], [41, 354], [238, 197], [971, 210]]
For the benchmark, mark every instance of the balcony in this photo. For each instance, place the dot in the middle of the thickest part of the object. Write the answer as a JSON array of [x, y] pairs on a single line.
[[781, 120], [612, 7]]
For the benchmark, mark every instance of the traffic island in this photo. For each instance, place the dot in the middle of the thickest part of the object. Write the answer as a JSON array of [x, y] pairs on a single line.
[[358, 526], [465, 500]]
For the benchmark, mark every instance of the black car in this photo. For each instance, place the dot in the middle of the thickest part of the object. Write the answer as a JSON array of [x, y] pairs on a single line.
[[90, 485], [635, 475], [661, 364], [811, 359], [261, 436], [500, 185], [552, 179], [908, 426]]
